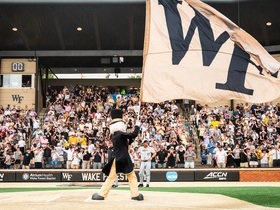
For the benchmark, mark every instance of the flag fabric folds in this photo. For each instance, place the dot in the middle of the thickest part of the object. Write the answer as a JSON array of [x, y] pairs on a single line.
[[191, 51]]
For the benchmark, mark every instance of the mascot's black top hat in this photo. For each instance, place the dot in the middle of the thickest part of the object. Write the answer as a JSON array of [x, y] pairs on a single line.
[[116, 115]]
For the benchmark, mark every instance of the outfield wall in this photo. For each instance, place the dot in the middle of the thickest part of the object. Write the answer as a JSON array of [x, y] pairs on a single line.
[[167, 175], [259, 175]]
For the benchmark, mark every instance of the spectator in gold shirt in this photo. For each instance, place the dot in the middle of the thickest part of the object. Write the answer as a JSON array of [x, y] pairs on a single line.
[[73, 140], [83, 141]]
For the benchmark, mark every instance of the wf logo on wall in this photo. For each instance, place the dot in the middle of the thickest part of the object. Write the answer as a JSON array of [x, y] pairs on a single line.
[[67, 176], [17, 98]]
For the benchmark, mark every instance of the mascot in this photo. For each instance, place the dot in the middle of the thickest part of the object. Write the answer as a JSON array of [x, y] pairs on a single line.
[[120, 161]]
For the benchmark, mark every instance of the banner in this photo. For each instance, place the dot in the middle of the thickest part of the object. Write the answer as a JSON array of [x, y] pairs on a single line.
[[7, 176], [172, 176], [96, 176], [38, 176], [222, 175], [78, 176], [191, 51]]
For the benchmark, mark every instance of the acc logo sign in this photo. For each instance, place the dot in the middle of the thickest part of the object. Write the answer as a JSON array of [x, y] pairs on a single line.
[[25, 176], [216, 175], [171, 176]]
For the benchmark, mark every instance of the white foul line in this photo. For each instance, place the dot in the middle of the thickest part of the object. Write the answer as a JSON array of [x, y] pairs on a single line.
[[88, 199], [56, 197]]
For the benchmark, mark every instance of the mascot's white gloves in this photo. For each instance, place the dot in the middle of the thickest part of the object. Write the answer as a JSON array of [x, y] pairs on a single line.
[[138, 123]]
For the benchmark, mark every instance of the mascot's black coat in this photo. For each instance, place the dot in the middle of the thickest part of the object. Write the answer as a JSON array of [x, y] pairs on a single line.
[[121, 141]]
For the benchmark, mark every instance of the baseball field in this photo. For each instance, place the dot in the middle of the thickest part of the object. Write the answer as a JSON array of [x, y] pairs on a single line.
[[176, 195]]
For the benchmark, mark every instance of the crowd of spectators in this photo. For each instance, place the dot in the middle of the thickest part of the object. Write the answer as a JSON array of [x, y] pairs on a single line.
[[247, 136], [74, 134], [74, 130]]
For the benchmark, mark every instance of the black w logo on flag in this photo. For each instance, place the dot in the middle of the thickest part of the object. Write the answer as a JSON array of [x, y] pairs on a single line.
[[210, 47], [198, 32]]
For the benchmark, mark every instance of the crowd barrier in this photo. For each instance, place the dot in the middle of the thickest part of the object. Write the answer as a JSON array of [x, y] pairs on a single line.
[[165, 175]]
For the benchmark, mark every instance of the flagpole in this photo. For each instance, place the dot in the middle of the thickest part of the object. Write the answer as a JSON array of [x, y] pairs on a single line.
[[138, 115]]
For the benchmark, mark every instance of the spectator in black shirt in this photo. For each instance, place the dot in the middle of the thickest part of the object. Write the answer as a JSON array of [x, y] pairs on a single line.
[[47, 156], [162, 157], [180, 157], [27, 156], [86, 158], [244, 158]]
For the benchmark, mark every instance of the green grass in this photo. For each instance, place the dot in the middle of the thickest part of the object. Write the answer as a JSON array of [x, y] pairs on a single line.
[[263, 196]]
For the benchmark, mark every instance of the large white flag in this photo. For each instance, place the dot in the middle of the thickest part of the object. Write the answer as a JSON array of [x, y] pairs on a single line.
[[192, 51]]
